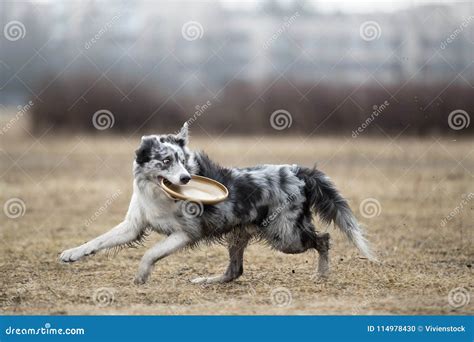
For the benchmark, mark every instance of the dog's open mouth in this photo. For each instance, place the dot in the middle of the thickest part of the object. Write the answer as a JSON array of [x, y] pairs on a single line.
[[165, 180], [161, 178]]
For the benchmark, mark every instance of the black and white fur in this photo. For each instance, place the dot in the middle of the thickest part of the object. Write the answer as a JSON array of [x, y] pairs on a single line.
[[273, 203]]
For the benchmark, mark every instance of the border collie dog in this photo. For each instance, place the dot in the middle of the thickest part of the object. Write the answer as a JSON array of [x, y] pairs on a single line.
[[273, 203]]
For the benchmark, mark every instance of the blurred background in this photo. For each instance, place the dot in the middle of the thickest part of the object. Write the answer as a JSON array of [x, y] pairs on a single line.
[[379, 94], [319, 67]]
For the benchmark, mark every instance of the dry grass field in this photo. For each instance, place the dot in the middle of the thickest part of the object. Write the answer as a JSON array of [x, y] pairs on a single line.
[[74, 188]]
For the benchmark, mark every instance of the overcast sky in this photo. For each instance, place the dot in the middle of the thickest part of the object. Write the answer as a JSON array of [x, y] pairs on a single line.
[[354, 6], [348, 5]]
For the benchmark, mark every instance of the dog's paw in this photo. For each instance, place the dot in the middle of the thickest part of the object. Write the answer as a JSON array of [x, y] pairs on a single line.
[[323, 276], [71, 255], [211, 280], [140, 278], [199, 280]]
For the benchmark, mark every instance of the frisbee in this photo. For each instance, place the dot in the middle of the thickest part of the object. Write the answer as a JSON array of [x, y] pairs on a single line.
[[199, 189]]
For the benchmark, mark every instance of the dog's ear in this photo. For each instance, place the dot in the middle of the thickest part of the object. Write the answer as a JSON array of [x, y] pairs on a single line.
[[144, 151], [183, 135]]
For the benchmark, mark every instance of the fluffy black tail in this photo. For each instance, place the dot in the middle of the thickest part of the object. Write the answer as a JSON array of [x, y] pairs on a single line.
[[332, 207]]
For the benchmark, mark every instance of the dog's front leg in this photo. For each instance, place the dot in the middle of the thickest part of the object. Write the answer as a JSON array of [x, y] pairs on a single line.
[[162, 249], [123, 233]]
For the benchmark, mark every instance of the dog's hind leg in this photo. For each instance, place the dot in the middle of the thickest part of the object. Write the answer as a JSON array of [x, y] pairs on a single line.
[[123, 233], [162, 249], [321, 244], [237, 242]]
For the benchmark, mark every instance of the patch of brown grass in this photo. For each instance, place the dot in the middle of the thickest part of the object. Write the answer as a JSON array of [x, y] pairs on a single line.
[[63, 181]]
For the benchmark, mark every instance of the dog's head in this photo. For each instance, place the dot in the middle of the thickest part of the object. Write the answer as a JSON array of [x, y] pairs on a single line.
[[165, 156]]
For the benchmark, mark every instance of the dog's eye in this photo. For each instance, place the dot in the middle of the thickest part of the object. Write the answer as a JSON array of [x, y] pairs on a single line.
[[166, 161]]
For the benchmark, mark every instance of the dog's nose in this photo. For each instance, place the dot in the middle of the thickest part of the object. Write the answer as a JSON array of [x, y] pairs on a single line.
[[184, 179]]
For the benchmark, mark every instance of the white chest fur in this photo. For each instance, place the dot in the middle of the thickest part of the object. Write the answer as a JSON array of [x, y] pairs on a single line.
[[157, 209]]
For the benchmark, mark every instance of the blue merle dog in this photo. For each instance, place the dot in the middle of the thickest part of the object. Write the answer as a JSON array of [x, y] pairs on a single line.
[[273, 203]]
